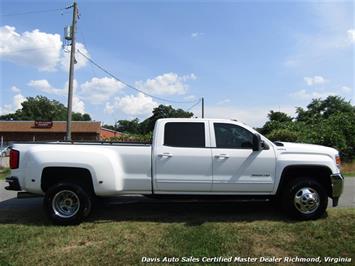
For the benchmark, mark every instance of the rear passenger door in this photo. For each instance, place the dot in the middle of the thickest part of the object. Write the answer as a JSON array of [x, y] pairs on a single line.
[[182, 158]]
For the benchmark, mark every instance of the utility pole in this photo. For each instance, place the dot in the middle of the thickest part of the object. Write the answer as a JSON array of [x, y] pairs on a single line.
[[203, 107], [71, 69]]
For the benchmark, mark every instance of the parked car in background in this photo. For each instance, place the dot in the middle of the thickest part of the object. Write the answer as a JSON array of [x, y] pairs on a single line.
[[5, 152]]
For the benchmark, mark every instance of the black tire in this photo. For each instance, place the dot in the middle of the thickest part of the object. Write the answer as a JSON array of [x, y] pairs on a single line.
[[302, 206], [80, 199]]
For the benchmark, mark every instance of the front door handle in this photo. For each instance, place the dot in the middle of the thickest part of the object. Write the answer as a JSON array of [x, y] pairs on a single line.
[[165, 154], [222, 156]]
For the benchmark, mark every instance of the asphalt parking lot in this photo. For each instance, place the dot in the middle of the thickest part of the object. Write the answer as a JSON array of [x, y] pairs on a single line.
[[127, 208]]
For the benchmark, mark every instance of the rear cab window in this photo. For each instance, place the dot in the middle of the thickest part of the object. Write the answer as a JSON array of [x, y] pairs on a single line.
[[185, 134]]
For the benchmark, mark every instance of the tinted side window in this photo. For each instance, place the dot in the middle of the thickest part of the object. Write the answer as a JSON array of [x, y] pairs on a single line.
[[232, 136], [184, 134]]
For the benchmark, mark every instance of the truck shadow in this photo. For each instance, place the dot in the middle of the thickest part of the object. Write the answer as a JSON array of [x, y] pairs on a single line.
[[191, 213]]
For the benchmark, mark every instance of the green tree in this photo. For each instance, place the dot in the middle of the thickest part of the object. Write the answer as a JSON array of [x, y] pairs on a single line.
[[109, 127], [329, 122], [284, 134], [277, 121], [129, 126], [323, 109], [279, 116], [146, 127], [42, 108], [80, 117], [162, 111]]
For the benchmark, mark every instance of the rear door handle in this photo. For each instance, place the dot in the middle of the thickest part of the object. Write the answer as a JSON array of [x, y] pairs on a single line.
[[165, 154], [222, 156]]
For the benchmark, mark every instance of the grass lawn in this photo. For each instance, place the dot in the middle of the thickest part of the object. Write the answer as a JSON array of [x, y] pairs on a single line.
[[4, 172], [125, 239], [124, 234]]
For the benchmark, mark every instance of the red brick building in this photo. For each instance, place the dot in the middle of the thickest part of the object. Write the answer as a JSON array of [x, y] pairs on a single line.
[[108, 133], [48, 131]]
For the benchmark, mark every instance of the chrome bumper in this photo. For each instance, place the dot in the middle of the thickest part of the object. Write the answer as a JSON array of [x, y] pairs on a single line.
[[337, 187]]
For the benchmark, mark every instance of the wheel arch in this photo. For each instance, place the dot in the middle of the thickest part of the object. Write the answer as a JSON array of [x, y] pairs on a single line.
[[77, 175], [321, 173]]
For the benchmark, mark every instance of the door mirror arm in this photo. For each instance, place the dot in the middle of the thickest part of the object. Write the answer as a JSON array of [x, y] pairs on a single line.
[[257, 143]]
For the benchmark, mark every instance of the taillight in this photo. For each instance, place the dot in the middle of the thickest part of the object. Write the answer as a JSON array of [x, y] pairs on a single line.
[[338, 160], [14, 159]]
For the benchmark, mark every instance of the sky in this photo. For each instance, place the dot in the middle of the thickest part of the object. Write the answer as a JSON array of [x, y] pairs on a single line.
[[244, 57]]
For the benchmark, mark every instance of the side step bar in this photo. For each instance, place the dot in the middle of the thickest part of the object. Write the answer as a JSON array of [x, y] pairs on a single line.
[[26, 195]]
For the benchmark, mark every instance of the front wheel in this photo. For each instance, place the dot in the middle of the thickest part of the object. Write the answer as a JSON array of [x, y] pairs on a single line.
[[67, 204], [305, 199]]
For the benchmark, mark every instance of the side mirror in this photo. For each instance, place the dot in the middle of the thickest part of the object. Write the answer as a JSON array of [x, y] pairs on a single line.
[[264, 145], [257, 142]]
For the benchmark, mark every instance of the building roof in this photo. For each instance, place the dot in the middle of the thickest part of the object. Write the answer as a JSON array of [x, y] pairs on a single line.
[[110, 130], [58, 127]]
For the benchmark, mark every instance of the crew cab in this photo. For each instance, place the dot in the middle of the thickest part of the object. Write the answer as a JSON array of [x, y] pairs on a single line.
[[187, 156]]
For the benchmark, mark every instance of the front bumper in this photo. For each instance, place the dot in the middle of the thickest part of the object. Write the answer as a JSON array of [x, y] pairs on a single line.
[[337, 187], [14, 184]]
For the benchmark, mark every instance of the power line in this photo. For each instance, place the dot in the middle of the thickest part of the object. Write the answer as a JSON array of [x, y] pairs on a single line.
[[31, 12], [128, 85]]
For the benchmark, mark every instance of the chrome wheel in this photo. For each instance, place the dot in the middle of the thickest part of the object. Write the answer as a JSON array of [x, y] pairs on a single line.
[[306, 200], [66, 204]]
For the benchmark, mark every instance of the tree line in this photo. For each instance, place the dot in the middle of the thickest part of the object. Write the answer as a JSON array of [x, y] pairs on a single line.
[[142, 131], [329, 122], [42, 108]]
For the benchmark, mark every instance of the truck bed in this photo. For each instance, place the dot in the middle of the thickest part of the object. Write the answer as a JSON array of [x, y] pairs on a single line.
[[114, 167], [84, 142]]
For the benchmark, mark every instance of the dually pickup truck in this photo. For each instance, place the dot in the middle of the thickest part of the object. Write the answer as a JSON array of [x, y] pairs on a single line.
[[190, 157]]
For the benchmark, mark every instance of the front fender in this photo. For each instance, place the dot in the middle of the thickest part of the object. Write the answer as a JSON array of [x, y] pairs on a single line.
[[291, 159]]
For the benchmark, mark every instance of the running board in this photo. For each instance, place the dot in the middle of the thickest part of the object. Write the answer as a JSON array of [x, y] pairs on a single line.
[[26, 195]]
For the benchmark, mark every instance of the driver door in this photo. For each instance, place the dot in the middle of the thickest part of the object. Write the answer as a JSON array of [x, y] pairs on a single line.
[[236, 167]]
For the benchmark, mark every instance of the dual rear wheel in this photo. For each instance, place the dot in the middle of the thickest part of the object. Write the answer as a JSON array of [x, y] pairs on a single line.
[[67, 203]]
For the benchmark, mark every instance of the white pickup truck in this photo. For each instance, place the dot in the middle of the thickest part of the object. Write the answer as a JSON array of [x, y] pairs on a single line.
[[190, 157]]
